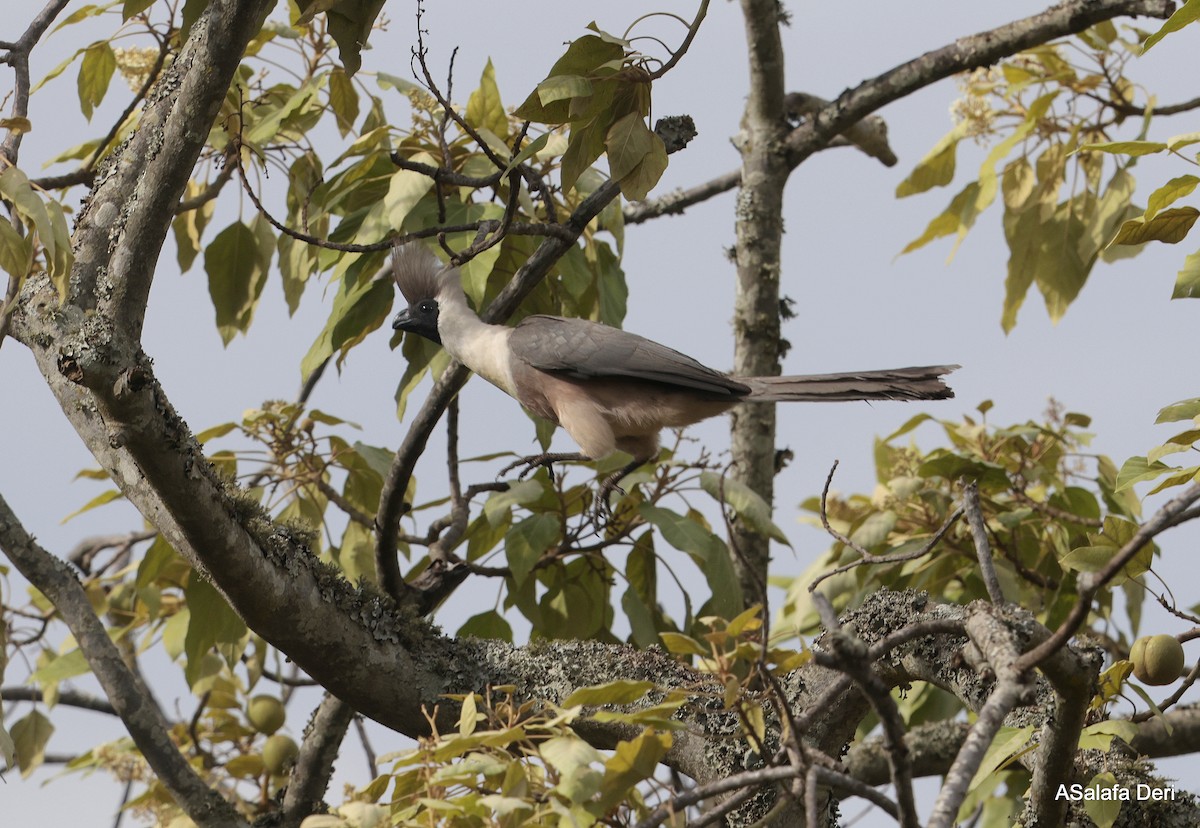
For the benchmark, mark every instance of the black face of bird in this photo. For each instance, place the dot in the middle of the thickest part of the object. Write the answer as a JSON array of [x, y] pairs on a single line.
[[419, 318]]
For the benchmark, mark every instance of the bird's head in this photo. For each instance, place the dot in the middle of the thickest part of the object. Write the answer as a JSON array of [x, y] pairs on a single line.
[[418, 275]]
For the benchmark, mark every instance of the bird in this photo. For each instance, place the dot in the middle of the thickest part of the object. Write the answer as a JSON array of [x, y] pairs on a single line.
[[609, 389]]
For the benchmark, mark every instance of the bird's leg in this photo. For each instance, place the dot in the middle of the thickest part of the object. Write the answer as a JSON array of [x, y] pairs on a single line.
[[547, 459], [602, 505]]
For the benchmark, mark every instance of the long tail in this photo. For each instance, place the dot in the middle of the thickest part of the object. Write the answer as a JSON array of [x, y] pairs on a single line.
[[921, 383]]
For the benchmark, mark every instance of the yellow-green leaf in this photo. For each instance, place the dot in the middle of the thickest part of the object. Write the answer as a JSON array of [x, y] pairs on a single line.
[[95, 73], [1169, 226], [350, 23], [484, 107], [30, 736], [614, 692], [1187, 282], [631, 763], [1131, 148], [936, 169], [1173, 190], [98, 500], [235, 278], [1102, 812], [636, 156], [1182, 410], [16, 252], [343, 100], [1189, 12], [212, 622]]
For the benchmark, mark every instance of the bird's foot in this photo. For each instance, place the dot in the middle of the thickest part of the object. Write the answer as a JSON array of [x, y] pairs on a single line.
[[602, 504], [535, 461]]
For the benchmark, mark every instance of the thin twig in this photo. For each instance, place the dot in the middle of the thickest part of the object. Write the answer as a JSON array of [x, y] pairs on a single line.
[[983, 549]]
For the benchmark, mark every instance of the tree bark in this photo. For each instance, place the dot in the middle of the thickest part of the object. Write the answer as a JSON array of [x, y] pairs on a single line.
[[756, 318]]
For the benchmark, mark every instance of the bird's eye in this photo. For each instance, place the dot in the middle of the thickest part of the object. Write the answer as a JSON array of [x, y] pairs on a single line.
[[428, 306]]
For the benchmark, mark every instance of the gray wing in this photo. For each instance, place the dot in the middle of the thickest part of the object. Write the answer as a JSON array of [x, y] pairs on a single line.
[[583, 349]]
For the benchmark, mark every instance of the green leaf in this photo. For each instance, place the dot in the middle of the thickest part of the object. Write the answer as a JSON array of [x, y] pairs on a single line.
[[485, 108], [212, 621], [527, 541], [8, 748], [235, 278], [709, 552], [951, 220], [584, 145], [95, 74], [29, 736], [132, 7], [1131, 148], [189, 227], [621, 691], [583, 58], [745, 502], [1182, 410], [360, 306], [16, 252], [1169, 226], [1187, 282], [533, 147], [1102, 812], [636, 156], [631, 763], [350, 23], [66, 666], [406, 188], [936, 169], [1189, 12], [1138, 470], [490, 624], [47, 218], [83, 13], [343, 100], [1173, 190]]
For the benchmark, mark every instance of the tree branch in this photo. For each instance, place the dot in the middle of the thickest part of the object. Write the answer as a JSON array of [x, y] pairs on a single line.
[[314, 766], [129, 696], [966, 53], [17, 57]]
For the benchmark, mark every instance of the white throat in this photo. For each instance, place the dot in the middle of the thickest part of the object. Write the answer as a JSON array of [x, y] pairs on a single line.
[[481, 347]]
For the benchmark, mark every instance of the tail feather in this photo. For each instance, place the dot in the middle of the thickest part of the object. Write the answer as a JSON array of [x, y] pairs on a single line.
[[919, 383]]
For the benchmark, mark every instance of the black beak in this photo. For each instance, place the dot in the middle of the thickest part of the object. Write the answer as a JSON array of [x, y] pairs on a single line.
[[403, 321], [423, 324]]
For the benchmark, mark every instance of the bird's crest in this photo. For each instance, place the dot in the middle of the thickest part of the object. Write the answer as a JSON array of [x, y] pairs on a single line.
[[416, 271]]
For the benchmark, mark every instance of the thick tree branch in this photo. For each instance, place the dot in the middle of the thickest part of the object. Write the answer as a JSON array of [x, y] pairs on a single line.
[[966, 53], [129, 696], [142, 183]]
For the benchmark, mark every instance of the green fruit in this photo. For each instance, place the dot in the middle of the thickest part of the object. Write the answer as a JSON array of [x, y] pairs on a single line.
[[279, 753], [1157, 659], [266, 714]]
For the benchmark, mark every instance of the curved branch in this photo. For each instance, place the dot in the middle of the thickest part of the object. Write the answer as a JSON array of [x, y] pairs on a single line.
[[18, 58], [129, 696], [71, 698], [966, 53], [314, 766]]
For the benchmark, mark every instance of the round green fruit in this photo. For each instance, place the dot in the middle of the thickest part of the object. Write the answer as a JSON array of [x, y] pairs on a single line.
[[266, 714], [1157, 659], [279, 754]]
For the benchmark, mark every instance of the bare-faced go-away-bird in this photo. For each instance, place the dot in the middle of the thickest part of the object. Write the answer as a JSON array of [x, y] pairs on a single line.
[[610, 389]]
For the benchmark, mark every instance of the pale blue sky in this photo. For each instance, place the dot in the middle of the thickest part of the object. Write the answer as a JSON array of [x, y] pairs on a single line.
[[1117, 355]]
